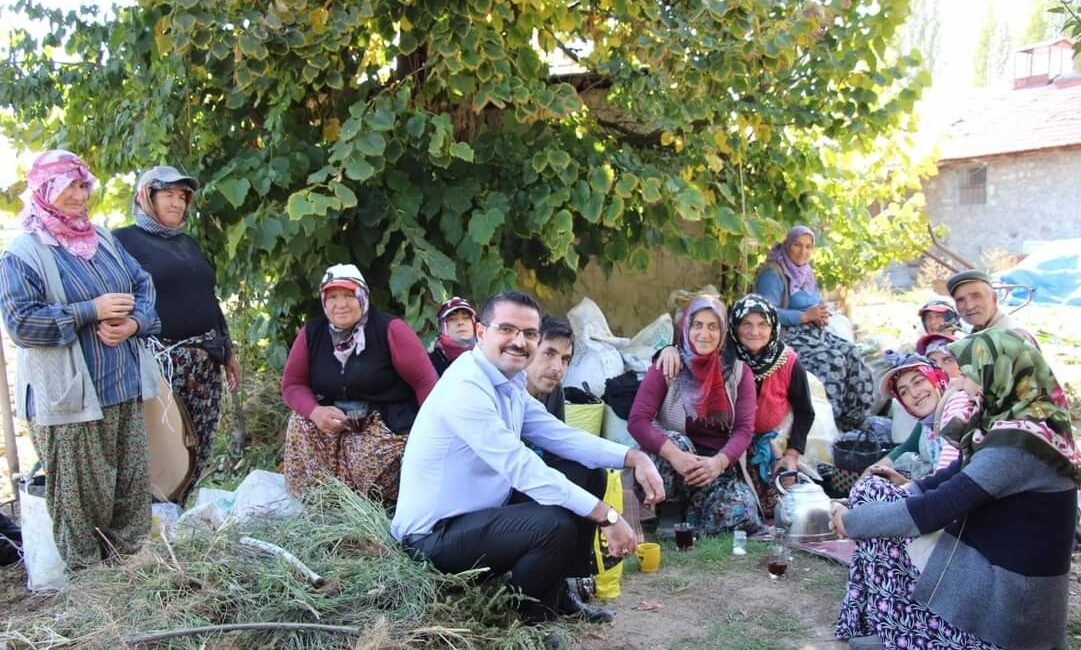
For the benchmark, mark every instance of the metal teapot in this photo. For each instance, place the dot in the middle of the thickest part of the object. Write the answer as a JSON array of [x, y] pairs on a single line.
[[804, 509]]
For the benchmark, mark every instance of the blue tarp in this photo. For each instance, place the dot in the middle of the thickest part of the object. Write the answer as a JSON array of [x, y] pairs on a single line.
[[1053, 271]]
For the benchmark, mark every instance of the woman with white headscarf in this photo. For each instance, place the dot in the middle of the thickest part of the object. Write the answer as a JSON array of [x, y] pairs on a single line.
[[355, 379]]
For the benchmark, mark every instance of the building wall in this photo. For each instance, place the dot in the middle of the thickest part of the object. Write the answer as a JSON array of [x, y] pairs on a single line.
[[632, 299], [1029, 197]]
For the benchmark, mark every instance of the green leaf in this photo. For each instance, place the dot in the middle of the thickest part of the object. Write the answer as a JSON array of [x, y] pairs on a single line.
[[359, 169], [234, 190], [402, 278], [558, 159], [651, 190], [415, 125], [298, 206], [483, 225], [380, 120], [252, 47], [625, 185], [345, 195], [269, 234], [372, 144], [600, 178], [462, 150]]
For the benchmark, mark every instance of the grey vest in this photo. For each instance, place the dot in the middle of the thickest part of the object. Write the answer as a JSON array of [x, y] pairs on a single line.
[[63, 389]]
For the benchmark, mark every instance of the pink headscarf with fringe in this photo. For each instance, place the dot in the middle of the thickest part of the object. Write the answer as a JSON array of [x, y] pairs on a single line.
[[51, 174]]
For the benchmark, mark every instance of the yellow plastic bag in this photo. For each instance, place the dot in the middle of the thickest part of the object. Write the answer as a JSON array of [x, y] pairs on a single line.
[[587, 417], [608, 580]]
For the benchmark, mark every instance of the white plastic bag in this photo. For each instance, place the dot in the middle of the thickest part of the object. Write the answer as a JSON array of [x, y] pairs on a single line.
[[824, 431], [615, 429], [44, 566], [638, 355], [260, 494], [596, 349]]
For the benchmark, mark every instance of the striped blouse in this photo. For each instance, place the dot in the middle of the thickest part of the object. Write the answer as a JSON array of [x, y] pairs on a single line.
[[32, 322]]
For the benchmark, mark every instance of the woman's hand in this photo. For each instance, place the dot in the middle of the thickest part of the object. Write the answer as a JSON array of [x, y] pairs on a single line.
[[790, 461], [114, 331], [668, 362], [817, 315], [837, 521], [883, 462], [965, 384], [888, 473], [707, 470], [328, 419], [681, 461], [114, 305], [232, 372]]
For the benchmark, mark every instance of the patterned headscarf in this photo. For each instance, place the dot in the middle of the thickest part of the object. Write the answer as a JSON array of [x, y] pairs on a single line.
[[453, 348], [899, 364], [702, 379], [154, 179], [1016, 385], [349, 341], [800, 276], [771, 357], [51, 174]]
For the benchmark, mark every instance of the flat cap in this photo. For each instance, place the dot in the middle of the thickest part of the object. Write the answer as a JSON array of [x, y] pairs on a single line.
[[972, 275]]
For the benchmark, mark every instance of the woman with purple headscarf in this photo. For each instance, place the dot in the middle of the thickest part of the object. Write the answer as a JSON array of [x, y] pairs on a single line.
[[76, 303], [787, 280]]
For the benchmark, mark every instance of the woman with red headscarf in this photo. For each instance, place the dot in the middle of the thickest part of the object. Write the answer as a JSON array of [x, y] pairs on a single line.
[[697, 425], [76, 303]]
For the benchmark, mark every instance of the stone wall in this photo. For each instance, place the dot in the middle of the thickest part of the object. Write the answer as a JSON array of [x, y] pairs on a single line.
[[1030, 197], [632, 299]]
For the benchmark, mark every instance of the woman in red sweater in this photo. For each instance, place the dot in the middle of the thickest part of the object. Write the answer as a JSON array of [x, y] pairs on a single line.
[[355, 378], [784, 413], [698, 424]]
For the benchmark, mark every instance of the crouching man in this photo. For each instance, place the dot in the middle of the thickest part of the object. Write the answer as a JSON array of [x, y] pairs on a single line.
[[473, 494]]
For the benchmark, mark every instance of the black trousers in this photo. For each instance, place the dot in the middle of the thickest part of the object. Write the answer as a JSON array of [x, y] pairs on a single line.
[[539, 545]]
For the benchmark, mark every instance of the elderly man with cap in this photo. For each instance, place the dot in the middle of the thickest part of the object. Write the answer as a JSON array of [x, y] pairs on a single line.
[[977, 303], [355, 379], [193, 327], [457, 321]]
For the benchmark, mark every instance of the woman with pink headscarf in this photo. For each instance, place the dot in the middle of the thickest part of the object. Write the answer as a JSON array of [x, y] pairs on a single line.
[[75, 303], [787, 280]]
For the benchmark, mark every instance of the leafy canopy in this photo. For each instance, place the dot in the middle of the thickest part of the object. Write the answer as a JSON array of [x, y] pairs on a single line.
[[435, 144]]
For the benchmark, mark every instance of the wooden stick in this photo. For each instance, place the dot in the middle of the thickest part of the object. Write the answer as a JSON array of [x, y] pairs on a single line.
[[8, 422], [239, 627], [272, 549]]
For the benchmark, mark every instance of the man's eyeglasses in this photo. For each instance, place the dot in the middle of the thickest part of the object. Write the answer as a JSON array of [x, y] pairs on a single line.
[[510, 331]]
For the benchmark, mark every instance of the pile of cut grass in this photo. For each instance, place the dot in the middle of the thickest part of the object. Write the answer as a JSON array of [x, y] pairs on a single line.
[[384, 597]]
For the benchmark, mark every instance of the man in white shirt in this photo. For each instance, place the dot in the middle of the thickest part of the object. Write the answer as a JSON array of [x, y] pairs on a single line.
[[474, 495]]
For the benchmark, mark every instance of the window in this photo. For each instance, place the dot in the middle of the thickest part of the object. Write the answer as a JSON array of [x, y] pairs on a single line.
[[972, 187]]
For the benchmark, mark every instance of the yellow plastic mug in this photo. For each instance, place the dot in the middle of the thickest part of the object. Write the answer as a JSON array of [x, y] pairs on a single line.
[[649, 557]]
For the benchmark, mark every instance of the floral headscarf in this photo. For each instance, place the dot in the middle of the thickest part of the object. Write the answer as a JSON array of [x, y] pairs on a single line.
[[899, 364], [702, 378], [771, 357], [1017, 387], [800, 276], [51, 174]]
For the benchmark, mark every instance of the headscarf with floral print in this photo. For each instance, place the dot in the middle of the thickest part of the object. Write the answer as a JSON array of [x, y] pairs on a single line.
[[51, 174]]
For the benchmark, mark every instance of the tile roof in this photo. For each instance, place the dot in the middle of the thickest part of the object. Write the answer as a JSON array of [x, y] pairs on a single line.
[[1021, 120]]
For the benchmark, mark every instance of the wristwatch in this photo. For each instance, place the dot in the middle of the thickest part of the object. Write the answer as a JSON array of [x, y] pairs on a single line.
[[611, 518]]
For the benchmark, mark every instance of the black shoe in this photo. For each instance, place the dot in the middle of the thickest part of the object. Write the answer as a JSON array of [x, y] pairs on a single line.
[[552, 641], [571, 605]]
